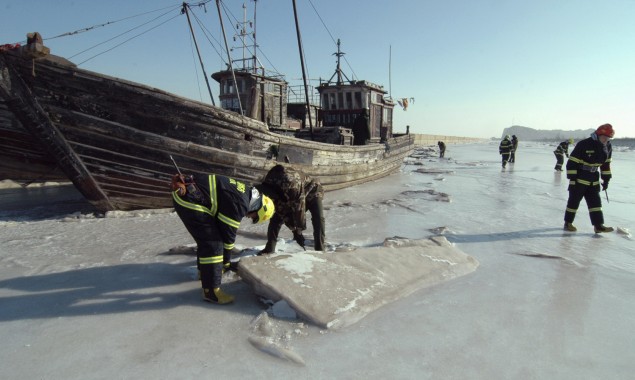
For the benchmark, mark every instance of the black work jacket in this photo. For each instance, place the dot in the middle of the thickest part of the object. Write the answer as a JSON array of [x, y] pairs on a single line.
[[563, 149], [589, 161], [223, 198], [505, 147]]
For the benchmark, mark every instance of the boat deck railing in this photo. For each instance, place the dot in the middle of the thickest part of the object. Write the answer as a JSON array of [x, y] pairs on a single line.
[[296, 95]]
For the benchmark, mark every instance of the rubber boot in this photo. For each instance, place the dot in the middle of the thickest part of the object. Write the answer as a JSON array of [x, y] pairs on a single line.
[[570, 227], [600, 228], [217, 296], [270, 247]]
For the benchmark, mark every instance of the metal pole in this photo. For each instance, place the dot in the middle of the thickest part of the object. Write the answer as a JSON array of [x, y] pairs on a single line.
[[209, 89], [306, 87], [231, 67]]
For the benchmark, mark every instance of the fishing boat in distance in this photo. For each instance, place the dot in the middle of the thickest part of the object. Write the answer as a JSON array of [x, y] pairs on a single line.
[[113, 138]]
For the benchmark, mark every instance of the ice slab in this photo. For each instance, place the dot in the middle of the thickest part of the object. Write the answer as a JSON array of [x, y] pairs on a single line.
[[337, 289]]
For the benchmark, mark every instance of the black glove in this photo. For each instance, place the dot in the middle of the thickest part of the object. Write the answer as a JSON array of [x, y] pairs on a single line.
[[605, 185], [299, 238]]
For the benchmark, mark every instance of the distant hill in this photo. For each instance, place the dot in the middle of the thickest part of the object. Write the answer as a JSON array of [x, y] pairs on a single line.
[[530, 134]]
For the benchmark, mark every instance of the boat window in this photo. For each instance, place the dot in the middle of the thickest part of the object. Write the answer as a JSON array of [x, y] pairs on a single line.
[[229, 87], [340, 101], [349, 100], [387, 119], [230, 104], [272, 88], [333, 102], [358, 100]]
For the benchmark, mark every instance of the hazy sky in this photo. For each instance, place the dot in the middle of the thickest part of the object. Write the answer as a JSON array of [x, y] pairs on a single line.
[[473, 67]]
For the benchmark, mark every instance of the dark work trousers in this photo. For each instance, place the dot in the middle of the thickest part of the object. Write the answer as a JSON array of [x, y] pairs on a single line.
[[592, 196], [209, 245], [317, 220], [505, 158], [559, 161]]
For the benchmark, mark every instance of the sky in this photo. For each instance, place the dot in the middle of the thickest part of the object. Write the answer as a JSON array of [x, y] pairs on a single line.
[[469, 68], [116, 297]]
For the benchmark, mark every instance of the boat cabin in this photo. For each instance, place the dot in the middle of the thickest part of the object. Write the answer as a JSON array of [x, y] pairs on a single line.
[[260, 97], [359, 105]]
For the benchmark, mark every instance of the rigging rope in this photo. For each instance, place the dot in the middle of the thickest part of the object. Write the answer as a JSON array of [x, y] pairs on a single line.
[[121, 34], [208, 34], [129, 39], [104, 24], [332, 38]]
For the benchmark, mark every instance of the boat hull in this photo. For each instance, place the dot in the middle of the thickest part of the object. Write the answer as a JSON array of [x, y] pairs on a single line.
[[113, 138]]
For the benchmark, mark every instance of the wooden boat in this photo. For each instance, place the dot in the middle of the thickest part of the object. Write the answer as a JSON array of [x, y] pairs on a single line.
[[113, 138]]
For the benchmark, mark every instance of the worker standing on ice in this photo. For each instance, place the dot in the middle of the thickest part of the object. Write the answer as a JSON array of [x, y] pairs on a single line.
[[293, 193], [512, 155], [589, 162], [441, 149], [505, 150], [211, 208], [561, 151]]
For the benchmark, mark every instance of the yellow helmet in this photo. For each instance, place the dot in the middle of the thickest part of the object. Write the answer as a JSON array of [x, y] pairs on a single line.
[[266, 210]]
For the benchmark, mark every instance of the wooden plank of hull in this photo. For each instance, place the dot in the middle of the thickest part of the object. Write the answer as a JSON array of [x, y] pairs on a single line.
[[114, 138], [22, 157]]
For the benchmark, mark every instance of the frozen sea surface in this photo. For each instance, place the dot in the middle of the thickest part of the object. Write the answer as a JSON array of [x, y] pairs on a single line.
[[85, 297]]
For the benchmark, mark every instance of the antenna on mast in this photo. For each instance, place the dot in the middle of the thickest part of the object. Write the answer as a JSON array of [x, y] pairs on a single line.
[[338, 69], [390, 72]]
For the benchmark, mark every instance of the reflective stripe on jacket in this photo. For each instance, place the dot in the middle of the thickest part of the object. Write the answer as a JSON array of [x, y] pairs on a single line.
[[225, 199], [588, 158]]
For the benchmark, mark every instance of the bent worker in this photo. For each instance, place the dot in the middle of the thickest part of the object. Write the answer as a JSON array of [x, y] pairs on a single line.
[[211, 208], [505, 150], [441, 149], [589, 162], [293, 193], [561, 151]]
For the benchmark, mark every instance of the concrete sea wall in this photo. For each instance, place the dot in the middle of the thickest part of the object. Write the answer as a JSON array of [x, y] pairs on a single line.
[[425, 140]]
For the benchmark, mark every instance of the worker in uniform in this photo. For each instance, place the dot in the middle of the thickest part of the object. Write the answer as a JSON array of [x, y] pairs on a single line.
[[505, 149], [293, 194], [512, 155], [441, 149], [589, 162], [211, 208], [561, 151]]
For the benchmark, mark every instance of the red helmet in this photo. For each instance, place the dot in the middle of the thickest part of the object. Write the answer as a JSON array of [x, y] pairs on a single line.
[[606, 130]]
